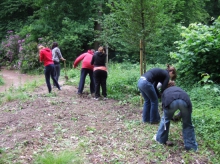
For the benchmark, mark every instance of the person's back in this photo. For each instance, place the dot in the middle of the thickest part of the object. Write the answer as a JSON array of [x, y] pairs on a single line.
[[46, 56], [99, 59], [86, 63], [173, 99], [174, 93]]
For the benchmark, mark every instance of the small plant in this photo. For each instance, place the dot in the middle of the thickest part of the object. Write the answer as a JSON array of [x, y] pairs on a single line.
[[66, 157]]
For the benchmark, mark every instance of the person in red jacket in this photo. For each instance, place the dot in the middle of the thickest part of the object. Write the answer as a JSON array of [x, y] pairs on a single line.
[[45, 56], [86, 68]]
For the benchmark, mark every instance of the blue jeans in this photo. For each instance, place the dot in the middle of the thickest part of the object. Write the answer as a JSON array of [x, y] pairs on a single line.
[[150, 108], [188, 129], [84, 72], [50, 72]]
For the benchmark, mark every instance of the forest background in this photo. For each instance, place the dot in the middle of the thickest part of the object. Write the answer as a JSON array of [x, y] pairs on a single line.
[[184, 33]]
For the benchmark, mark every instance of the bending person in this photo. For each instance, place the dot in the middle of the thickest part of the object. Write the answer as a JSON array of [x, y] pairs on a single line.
[[173, 99], [87, 68], [147, 85]]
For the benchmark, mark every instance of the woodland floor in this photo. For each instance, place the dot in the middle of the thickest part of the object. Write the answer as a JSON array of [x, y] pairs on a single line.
[[107, 131]]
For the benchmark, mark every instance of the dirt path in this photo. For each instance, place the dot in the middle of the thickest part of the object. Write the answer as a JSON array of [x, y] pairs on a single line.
[[14, 78]]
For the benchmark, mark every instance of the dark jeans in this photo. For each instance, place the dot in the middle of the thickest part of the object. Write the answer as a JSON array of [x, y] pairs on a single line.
[[188, 129], [57, 72], [100, 77], [150, 108], [84, 72], [50, 72]]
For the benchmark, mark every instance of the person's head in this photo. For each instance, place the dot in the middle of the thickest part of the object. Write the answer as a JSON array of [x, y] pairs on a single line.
[[40, 47], [55, 44], [172, 72], [101, 49], [92, 51]]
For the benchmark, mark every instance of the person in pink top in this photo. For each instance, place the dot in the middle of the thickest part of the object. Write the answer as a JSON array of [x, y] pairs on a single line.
[[86, 68], [45, 56]]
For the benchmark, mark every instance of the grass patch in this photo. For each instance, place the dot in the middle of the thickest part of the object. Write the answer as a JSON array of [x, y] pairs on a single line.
[[64, 157]]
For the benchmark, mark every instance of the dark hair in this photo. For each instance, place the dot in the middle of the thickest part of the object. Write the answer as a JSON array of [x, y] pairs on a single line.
[[55, 44], [173, 70]]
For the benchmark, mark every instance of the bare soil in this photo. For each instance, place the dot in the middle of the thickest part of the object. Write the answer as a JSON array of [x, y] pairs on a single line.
[[106, 131]]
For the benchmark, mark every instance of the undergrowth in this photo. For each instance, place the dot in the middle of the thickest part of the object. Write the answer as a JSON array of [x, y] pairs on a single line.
[[122, 86]]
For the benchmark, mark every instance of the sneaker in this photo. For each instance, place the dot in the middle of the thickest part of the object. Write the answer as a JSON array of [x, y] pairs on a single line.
[[155, 138], [105, 98], [96, 98]]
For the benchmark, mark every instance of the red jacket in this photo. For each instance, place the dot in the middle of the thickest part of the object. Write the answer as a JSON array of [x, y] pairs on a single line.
[[86, 60], [46, 56]]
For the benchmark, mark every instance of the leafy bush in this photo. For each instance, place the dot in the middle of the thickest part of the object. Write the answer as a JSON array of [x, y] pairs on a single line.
[[198, 52], [206, 114]]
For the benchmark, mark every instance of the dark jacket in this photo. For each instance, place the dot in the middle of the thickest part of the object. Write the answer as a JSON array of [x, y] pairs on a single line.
[[157, 75], [98, 59], [174, 93]]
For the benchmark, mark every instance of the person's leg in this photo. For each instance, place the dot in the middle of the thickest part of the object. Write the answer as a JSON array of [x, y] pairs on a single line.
[[152, 95], [188, 129], [52, 73], [163, 130], [142, 85], [47, 77], [104, 76], [92, 83], [97, 83], [82, 80], [56, 73]]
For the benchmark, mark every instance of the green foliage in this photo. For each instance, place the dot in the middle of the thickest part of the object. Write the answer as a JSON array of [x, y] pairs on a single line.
[[73, 35], [206, 113], [198, 52], [66, 157], [1, 81]]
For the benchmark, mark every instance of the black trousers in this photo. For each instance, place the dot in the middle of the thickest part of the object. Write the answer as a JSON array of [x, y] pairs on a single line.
[[50, 72], [100, 78]]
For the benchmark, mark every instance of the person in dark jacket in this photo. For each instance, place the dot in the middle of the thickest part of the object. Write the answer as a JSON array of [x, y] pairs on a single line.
[[173, 99], [147, 85], [45, 56], [56, 57], [87, 68], [100, 73]]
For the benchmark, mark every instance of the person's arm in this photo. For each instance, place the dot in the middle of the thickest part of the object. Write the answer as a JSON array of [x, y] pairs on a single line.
[[58, 52], [165, 84], [156, 89], [78, 59]]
